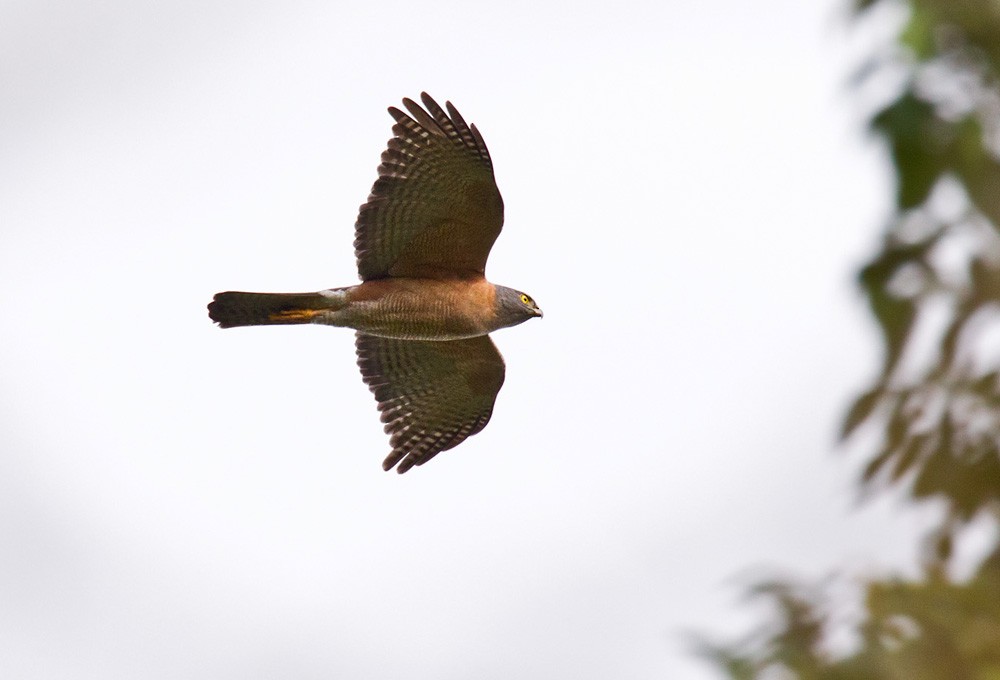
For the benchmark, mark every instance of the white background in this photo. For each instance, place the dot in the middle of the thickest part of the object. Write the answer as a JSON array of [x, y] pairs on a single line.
[[689, 191]]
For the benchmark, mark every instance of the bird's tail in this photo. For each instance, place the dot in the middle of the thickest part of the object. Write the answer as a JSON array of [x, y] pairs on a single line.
[[234, 308]]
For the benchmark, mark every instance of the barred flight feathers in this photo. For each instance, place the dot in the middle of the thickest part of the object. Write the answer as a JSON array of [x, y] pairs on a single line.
[[435, 210], [432, 395]]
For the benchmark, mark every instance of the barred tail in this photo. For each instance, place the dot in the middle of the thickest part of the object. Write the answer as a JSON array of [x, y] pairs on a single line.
[[234, 308]]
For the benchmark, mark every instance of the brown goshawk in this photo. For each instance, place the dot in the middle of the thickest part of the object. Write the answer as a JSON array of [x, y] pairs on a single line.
[[423, 309]]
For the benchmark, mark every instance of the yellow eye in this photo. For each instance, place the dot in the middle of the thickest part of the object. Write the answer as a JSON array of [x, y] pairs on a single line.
[[525, 299]]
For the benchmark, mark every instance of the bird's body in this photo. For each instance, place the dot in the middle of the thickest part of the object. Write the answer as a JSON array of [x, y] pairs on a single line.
[[424, 307], [400, 308]]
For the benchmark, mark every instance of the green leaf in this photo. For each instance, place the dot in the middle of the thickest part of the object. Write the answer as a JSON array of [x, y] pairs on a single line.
[[860, 411], [949, 341], [918, 141], [977, 168], [894, 315], [939, 467], [861, 6], [918, 34], [985, 386], [876, 464], [908, 456], [985, 280]]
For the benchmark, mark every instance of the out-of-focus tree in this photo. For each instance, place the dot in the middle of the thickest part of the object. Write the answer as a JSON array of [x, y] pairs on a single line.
[[934, 290], [929, 629]]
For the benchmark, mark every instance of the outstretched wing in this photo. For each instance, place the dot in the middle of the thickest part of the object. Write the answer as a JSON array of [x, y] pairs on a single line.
[[432, 394], [435, 209]]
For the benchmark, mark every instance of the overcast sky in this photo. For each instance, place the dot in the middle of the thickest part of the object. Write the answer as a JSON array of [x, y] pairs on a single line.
[[688, 192]]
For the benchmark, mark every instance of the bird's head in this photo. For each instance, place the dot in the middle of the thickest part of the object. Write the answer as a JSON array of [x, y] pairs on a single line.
[[514, 307]]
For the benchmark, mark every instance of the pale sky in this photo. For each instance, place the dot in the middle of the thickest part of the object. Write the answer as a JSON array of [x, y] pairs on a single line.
[[688, 193]]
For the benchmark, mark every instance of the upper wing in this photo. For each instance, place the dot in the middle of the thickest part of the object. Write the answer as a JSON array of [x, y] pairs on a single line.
[[432, 395], [435, 209]]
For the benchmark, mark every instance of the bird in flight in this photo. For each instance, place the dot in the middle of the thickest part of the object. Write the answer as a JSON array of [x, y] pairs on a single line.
[[424, 309]]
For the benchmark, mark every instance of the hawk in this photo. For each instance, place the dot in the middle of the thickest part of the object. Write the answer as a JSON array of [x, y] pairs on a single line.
[[424, 309]]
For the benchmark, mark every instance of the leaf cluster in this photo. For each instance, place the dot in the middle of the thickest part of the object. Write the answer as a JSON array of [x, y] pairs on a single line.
[[933, 288], [931, 629], [934, 285]]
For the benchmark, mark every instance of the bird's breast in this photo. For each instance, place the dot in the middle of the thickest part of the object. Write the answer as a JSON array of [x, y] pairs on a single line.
[[422, 309]]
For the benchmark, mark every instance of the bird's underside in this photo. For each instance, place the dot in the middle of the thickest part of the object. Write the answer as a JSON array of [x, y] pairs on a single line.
[[402, 308]]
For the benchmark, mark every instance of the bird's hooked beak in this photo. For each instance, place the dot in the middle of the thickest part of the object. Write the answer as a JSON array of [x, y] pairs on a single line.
[[538, 312]]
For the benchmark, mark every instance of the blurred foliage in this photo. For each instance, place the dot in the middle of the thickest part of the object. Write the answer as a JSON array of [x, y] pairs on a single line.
[[934, 290], [934, 286], [932, 629]]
